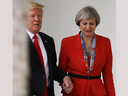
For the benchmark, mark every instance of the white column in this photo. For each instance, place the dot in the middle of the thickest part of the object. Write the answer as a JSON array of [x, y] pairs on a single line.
[[20, 51]]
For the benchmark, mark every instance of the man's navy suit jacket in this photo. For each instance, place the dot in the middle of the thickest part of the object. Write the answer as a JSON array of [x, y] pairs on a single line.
[[37, 74]]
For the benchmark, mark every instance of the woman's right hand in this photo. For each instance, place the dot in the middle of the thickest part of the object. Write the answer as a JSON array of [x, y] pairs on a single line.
[[67, 89]]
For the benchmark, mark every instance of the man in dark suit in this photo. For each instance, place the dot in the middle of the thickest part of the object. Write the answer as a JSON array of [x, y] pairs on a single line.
[[42, 56]]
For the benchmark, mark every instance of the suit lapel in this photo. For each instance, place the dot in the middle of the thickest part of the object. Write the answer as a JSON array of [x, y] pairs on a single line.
[[47, 48], [45, 42], [79, 53], [34, 52], [98, 52]]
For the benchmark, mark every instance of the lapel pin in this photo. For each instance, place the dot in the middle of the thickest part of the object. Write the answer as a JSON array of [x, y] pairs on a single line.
[[45, 41]]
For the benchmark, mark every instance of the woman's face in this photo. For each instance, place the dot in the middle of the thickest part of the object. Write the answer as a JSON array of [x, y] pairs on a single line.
[[88, 27]]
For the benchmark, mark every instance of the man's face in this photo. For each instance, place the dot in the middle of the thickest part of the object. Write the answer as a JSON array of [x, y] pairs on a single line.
[[34, 20]]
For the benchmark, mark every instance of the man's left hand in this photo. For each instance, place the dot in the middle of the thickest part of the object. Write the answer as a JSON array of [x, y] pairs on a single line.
[[67, 85]]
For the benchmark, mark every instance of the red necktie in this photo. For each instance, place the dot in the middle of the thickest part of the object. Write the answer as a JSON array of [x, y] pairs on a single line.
[[41, 58]]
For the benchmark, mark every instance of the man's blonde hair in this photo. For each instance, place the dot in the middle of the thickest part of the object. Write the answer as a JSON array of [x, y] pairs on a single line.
[[32, 5]]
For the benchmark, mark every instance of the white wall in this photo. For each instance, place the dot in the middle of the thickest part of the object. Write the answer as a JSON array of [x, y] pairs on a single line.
[[122, 47], [59, 22]]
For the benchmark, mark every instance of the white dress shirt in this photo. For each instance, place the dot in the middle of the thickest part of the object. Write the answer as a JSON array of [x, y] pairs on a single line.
[[45, 59]]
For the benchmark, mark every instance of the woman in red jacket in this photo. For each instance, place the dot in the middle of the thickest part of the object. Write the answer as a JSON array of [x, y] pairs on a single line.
[[85, 56]]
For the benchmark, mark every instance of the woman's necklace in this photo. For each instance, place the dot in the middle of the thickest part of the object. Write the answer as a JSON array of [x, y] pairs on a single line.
[[89, 48]]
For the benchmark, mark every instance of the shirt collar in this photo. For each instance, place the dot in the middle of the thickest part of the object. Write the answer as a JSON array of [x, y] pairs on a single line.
[[31, 34]]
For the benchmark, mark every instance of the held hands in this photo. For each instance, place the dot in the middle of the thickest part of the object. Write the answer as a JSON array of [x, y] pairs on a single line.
[[67, 86]]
